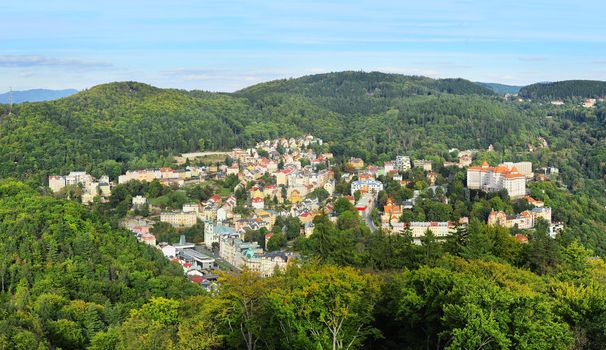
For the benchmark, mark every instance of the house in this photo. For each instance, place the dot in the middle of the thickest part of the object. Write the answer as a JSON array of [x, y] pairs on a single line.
[[535, 202], [422, 163], [306, 217], [391, 212], [355, 163], [366, 204], [589, 102], [147, 238], [139, 201], [257, 203], [295, 196], [520, 238], [308, 229]]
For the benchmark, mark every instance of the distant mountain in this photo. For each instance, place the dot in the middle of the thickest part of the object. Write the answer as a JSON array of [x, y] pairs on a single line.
[[565, 89], [501, 89], [36, 95]]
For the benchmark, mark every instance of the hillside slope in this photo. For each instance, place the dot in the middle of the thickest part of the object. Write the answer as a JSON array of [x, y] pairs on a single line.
[[65, 275], [115, 126], [565, 89], [352, 84]]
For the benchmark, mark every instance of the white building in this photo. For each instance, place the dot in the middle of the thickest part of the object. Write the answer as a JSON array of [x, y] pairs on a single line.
[[139, 201], [491, 179], [257, 203], [402, 163], [57, 183], [214, 232], [439, 229], [422, 163], [524, 168], [366, 186]]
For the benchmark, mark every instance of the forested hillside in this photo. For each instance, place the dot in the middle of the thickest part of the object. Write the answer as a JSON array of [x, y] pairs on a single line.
[[375, 116], [65, 275], [117, 126], [565, 89]]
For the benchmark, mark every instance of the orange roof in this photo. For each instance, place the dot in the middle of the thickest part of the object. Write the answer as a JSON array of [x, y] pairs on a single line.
[[514, 169], [514, 176], [485, 164], [501, 169]]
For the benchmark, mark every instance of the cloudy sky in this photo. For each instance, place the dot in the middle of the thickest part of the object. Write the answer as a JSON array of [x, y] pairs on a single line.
[[224, 45]]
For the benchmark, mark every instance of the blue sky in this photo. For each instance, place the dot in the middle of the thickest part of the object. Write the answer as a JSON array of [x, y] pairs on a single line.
[[225, 45]]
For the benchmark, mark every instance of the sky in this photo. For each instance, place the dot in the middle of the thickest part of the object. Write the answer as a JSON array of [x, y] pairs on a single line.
[[225, 45]]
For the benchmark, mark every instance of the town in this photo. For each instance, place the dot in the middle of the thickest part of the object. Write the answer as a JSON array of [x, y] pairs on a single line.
[[247, 208]]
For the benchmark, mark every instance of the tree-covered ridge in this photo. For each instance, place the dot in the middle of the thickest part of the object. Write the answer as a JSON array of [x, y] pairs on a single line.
[[65, 275], [565, 89], [352, 84]]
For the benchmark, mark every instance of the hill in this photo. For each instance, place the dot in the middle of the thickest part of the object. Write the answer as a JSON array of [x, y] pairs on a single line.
[[565, 89], [353, 84], [65, 275], [501, 89], [115, 126], [35, 95]]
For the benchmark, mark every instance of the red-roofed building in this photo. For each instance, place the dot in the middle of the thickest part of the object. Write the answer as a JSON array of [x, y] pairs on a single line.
[[489, 179], [520, 238], [258, 203]]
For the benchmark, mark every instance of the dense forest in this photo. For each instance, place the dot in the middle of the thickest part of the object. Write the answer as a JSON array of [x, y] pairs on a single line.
[[565, 89], [70, 280], [66, 275]]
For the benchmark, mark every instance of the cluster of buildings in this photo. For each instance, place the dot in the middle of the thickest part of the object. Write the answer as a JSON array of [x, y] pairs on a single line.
[[464, 158], [290, 170], [526, 219], [250, 255], [506, 176], [91, 187]]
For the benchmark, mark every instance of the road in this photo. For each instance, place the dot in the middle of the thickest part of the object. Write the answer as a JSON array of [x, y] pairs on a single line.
[[370, 223]]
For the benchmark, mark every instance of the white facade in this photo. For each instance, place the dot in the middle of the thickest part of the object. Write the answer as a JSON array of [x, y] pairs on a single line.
[[366, 185], [439, 229], [402, 163], [491, 179]]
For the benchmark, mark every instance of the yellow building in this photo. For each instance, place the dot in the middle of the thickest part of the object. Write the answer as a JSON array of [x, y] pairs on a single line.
[[295, 196]]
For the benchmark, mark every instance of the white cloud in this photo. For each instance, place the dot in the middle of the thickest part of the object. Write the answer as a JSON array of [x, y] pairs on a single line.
[[20, 61]]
